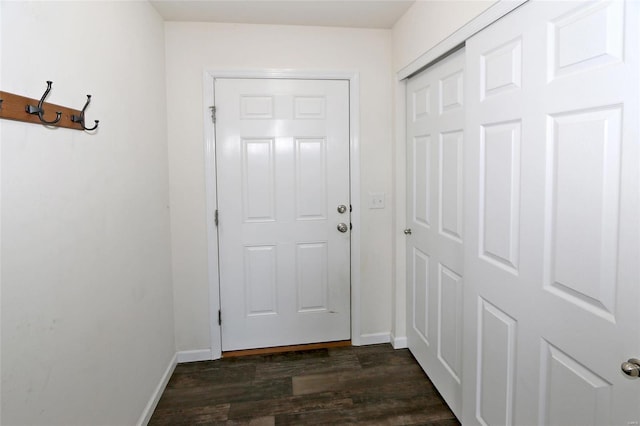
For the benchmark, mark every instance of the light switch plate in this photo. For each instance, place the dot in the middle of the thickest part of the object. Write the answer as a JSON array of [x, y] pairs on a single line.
[[376, 200]]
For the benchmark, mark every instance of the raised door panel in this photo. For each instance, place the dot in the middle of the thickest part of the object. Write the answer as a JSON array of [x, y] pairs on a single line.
[[496, 365], [570, 392], [450, 287], [421, 181], [420, 294], [587, 37], [501, 69], [499, 210], [451, 92], [309, 107], [312, 279], [257, 107], [584, 171], [258, 180], [420, 103], [311, 178], [260, 280], [450, 202]]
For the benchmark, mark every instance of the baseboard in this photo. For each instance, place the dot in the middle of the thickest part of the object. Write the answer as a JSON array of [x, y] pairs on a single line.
[[194, 356], [157, 393], [399, 342], [375, 338]]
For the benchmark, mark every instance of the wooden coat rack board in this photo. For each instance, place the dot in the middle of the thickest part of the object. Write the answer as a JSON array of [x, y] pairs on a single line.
[[30, 110]]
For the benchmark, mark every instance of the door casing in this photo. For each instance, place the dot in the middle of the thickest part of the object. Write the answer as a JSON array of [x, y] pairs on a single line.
[[211, 183]]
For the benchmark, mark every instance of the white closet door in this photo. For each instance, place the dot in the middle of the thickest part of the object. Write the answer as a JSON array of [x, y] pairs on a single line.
[[435, 118], [552, 299]]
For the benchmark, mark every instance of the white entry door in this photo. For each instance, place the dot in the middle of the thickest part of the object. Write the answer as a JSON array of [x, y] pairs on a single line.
[[552, 255], [282, 154], [435, 124]]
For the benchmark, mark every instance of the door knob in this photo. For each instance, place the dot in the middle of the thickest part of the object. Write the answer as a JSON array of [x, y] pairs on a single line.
[[407, 231], [342, 208], [631, 367], [342, 227]]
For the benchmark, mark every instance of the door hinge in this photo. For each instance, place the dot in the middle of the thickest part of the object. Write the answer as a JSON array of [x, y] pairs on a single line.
[[215, 218], [350, 208], [350, 226], [219, 317], [213, 113]]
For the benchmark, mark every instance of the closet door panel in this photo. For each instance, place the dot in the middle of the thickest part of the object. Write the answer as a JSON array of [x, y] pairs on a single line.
[[435, 282], [551, 216]]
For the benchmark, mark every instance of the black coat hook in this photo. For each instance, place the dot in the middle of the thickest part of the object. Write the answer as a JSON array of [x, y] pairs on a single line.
[[38, 109], [80, 118]]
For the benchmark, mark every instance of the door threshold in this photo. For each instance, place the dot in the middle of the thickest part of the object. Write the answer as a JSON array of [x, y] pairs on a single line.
[[283, 349]]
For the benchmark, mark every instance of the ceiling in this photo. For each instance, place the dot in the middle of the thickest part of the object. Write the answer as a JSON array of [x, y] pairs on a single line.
[[330, 13]]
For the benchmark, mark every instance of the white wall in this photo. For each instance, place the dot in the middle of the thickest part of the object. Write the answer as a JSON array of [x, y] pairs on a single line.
[[193, 48], [87, 322], [427, 23], [421, 28]]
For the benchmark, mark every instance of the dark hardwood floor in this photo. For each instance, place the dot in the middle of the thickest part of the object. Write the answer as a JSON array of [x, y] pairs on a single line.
[[367, 385]]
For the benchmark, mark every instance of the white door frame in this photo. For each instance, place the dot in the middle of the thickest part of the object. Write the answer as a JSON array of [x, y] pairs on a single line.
[[211, 195]]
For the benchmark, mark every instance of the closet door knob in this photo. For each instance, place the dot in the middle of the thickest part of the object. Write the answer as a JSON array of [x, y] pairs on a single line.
[[631, 367]]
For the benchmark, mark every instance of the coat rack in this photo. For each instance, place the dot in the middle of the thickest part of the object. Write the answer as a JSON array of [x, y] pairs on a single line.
[[29, 110]]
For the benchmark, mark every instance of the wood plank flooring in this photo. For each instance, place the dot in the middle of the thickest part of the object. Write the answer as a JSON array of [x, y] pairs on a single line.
[[366, 385]]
